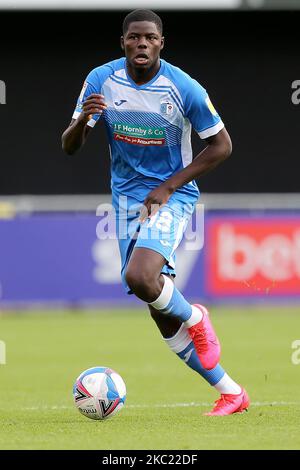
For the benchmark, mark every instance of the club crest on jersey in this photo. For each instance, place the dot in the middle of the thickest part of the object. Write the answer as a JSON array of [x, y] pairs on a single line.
[[166, 108]]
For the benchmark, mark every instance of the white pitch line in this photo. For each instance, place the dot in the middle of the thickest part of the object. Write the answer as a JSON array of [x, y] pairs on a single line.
[[167, 405], [192, 404]]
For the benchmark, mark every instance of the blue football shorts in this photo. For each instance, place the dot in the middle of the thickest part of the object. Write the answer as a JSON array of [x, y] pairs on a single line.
[[161, 233]]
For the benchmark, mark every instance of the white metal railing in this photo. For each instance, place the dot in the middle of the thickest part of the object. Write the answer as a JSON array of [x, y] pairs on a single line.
[[153, 4], [11, 205], [119, 4]]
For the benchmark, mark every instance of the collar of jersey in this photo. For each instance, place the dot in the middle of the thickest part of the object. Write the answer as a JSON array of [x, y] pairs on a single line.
[[145, 85]]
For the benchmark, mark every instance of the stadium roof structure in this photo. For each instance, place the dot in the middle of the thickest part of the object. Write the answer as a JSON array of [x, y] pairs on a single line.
[[118, 4], [153, 4]]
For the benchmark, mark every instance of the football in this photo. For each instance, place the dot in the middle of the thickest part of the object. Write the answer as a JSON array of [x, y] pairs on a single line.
[[99, 393]]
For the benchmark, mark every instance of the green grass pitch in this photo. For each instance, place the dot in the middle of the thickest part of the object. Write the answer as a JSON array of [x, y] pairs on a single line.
[[165, 399]]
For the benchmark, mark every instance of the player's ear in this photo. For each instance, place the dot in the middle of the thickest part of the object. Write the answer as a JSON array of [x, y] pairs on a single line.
[[122, 42], [162, 42]]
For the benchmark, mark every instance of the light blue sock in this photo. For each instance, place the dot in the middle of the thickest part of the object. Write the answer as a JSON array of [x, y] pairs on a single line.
[[183, 346], [190, 357], [172, 302]]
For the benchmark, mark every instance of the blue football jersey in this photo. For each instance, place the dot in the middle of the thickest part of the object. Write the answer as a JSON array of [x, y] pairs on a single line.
[[149, 126]]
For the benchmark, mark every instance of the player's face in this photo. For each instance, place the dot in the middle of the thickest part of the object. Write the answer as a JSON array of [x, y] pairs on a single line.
[[142, 44]]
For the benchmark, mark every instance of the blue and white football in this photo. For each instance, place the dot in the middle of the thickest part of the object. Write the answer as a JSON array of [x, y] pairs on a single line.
[[99, 393]]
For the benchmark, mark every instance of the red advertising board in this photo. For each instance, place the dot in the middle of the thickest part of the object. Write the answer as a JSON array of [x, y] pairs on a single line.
[[253, 256]]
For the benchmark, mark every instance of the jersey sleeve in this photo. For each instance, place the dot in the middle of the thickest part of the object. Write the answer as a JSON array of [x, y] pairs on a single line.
[[92, 84], [201, 112]]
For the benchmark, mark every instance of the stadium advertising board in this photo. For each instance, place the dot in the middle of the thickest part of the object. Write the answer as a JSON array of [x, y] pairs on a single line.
[[257, 256], [59, 258]]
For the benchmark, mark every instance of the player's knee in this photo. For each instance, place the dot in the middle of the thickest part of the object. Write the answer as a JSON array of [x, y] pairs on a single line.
[[130, 278], [141, 283]]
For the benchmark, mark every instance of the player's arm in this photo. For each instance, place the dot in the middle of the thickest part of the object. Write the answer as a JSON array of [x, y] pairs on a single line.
[[207, 123], [75, 135], [218, 149]]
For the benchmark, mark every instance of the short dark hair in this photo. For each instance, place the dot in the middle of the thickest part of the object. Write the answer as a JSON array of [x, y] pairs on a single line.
[[142, 15]]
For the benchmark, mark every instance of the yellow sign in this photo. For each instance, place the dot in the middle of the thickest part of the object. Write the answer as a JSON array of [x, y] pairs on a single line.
[[211, 106]]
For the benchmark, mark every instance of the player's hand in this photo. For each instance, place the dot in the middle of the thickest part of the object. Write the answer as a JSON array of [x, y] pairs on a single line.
[[94, 104], [154, 201]]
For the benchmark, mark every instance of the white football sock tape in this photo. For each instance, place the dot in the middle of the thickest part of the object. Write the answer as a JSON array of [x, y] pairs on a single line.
[[196, 317], [165, 296], [179, 341], [227, 385]]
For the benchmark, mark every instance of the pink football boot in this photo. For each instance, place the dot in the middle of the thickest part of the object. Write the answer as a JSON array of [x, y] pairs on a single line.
[[229, 404], [205, 340]]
